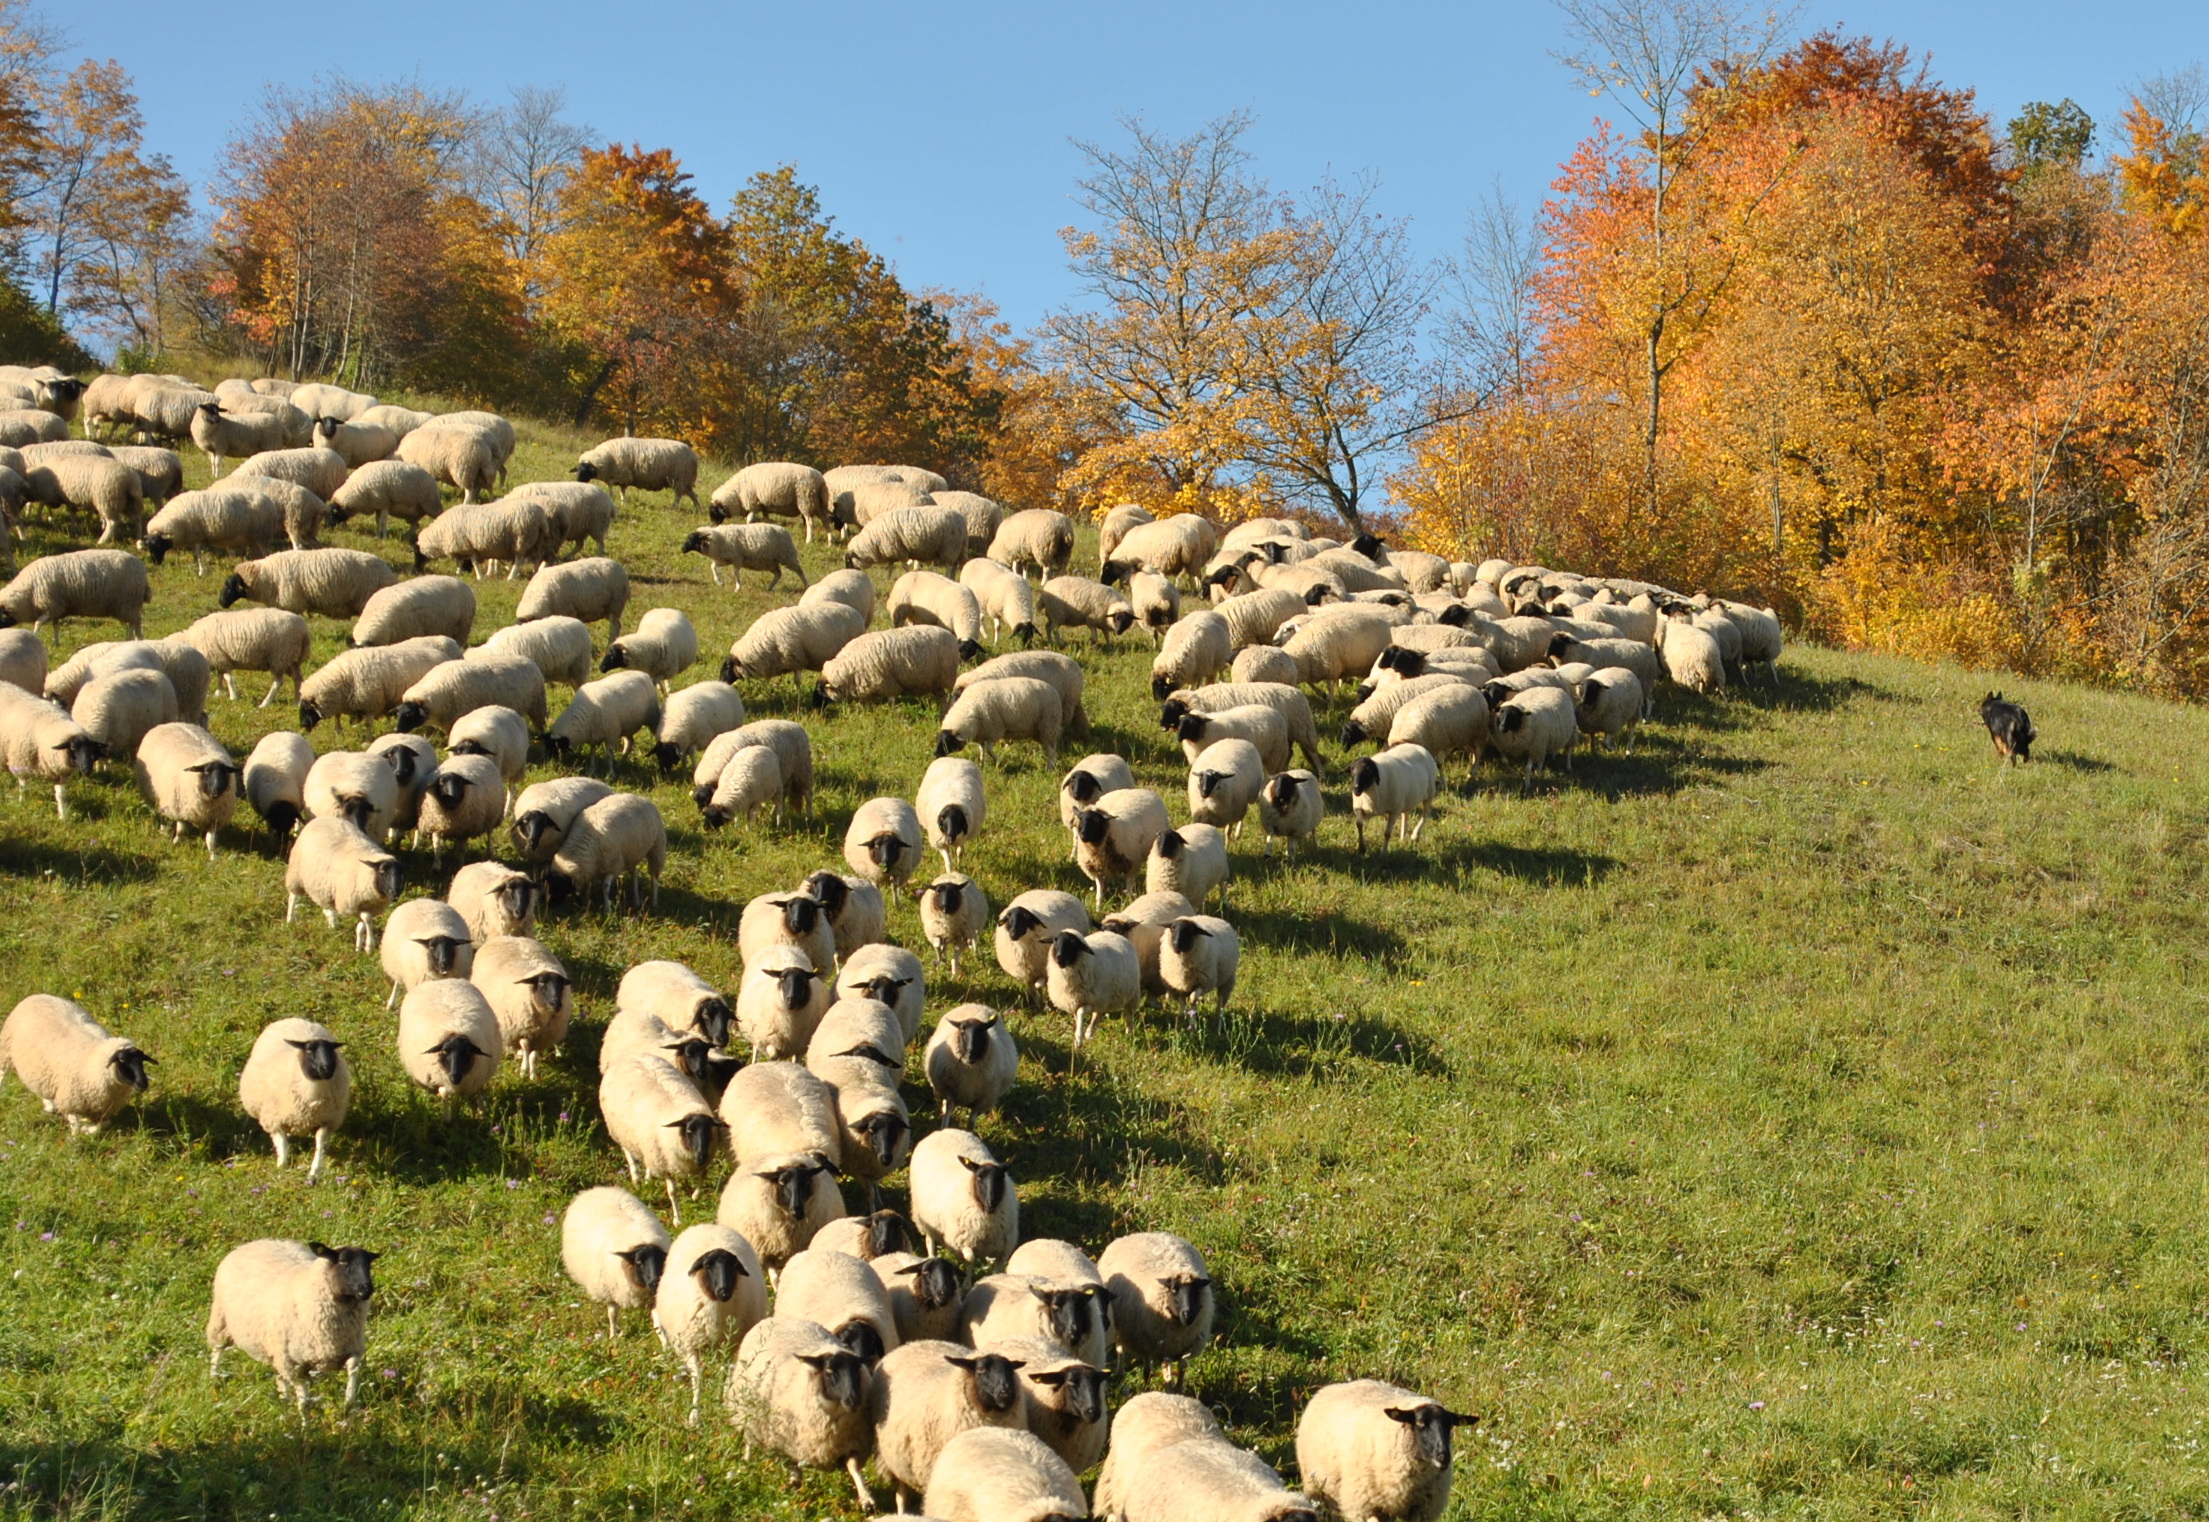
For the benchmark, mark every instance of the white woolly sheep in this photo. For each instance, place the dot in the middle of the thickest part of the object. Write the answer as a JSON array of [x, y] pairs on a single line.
[[275, 779], [1372, 717], [786, 919], [692, 719], [188, 670], [860, 504], [891, 663], [297, 1082], [189, 778], [544, 810], [663, 646], [659, 1120], [854, 589], [254, 639], [1091, 778], [1610, 703], [676, 995], [889, 975], [1035, 537], [77, 584], [1198, 956], [839, 1292], [1162, 1300], [423, 940], [1090, 977], [963, 1198], [1190, 861], [1062, 672], [400, 420], [605, 713], [854, 909], [1196, 649], [1369, 1449], [586, 590], [616, 837], [785, 641], [104, 487], [225, 435], [913, 536], [972, 1060], [579, 510], [1253, 618], [1450, 720], [1394, 785], [1150, 1422], [775, 489], [1068, 1316], [1143, 922], [389, 489], [1210, 1482], [413, 763], [981, 514], [228, 519], [119, 710], [1535, 726], [1115, 524], [1224, 781], [357, 443], [370, 683], [77, 1068], [529, 990], [299, 1307], [779, 1200], [482, 535], [797, 1391], [1113, 836], [667, 465], [494, 900], [876, 1234], [750, 785], [1076, 602], [987, 1474], [953, 913], [1027, 926], [747, 547], [883, 842], [557, 645], [779, 1004], [457, 457], [330, 401], [22, 661], [321, 471], [926, 1294], [1290, 703], [924, 1395], [1002, 711], [1156, 601], [710, 1294], [614, 1249], [497, 733], [778, 1109], [483, 678], [1265, 729], [1762, 638], [1004, 596], [1336, 644], [356, 786], [449, 1039], [952, 806], [422, 605], [331, 582], [923, 597], [1693, 656]]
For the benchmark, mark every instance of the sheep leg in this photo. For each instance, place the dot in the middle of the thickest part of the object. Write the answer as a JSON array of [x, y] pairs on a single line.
[[283, 1149], [321, 1149], [61, 807], [352, 1381], [1361, 835], [697, 1379], [631, 1159], [613, 1324], [851, 1466], [210, 845], [291, 900], [675, 1209], [214, 1361]]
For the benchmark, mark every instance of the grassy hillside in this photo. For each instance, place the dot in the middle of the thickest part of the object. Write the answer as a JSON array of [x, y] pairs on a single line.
[[1800, 1117]]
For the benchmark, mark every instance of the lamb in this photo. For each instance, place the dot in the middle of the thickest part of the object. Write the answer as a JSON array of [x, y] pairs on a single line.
[[663, 646], [389, 489], [912, 535], [297, 1082], [121, 709], [234, 435], [1190, 861], [1291, 704], [1610, 703], [494, 900], [1369, 1449], [710, 1294], [614, 1249], [22, 661], [424, 605], [841, 1293], [854, 589], [1027, 926], [1144, 923], [667, 465], [1068, 1317], [1093, 976], [586, 590], [1199, 956], [750, 783], [77, 584], [619, 836], [1394, 785], [748, 547], [972, 1060], [672, 993], [104, 487], [449, 1039], [923, 597], [953, 912], [1162, 1301], [924, 1395], [778, 1109], [275, 779], [299, 1307], [1265, 729], [1062, 672], [355, 786], [370, 683], [500, 735], [987, 1474], [1692, 655], [321, 471], [253, 639], [779, 490], [1149, 1423], [334, 583], [779, 1200], [891, 663], [785, 919], [1253, 618], [1075, 602], [785, 641], [659, 1120], [557, 645], [461, 458], [963, 1197], [1035, 537], [1005, 598], [853, 908], [483, 678], [889, 975], [189, 778], [425, 939], [529, 990], [1113, 837], [480, 535], [228, 519], [76, 1067], [952, 806], [544, 811], [1448, 720], [1001, 711], [1224, 781], [925, 1293], [779, 1004], [883, 842], [605, 713], [1535, 725], [797, 1391]]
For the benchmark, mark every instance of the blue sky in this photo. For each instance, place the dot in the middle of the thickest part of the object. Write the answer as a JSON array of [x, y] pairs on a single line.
[[940, 133]]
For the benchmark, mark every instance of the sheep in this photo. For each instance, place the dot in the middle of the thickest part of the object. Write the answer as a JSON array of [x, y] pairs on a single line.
[[494, 900], [121, 709], [1091, 976], [750, 783], [253, 639], [1178, 545], [614, 1249], [883, 842], [1291, 704], [981, 514], [1002, 711], [775, 489], [710, 1294], [1196, 649], [356, 443], [299, 1307], [178, 659], [775, 1108], [296, 1082], [1114, 835], [321, 471], [786, 919], [911, 535], [1199, 956], [529, 990], [989, 1475], [1162, 1300], [841, 1293], [189, 779], [1004, 597], [747, 547], [77, 1068], [859, 1042], [923, 597], [963, 1197], [1075, 602], [1143, 922], [605, 713], [1265, 729], [330, 401], [953, 912], [544, 811], [274, 780], [22, 661], [1069, 1317], [228, 519], [926, 1294], [1149, 1423], [888, 974], [677, 996], [618, 836], [423, 605], [667, 465], [586, 590], [785, 641], [779, 1004], [106, 488], [355, 786], [498, 734], [1116, 524], [400, 420], [1535, 725], [457, 457], [1025, 929], [370, 683], [1091, 778], [1210, 1481], [234, 435], [1253, 618], [891, 663], [853, 908], [924, 1395], [1358, 575], [1369, 1449], [483, 678], [480, 535], [578, 510], [331, 582], [1372, 717], [424, 939], [303, 512], [1190, 861], [660, 1121], [778, 1200], [663, 646], [1224, 781], [877, 1234], [556, 645], [1610, 703], [971, 1060], [1448, 720], [851, 589], [389, 489], [692, 719], [1062, 672], [1395, 784], [1035, 537], [1345, 644], [413, 764], [1693, 656], [77, 584], [1761, 637], [449, 1039], [952, 806], [797, 1391]]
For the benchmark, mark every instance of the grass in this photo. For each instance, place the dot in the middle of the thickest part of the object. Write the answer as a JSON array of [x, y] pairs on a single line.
[[1799, 1118]]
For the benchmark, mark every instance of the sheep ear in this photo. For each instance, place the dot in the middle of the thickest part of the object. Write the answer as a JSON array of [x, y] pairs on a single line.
[[1460, 1418], [1408, 1415], [323, 1250], [969, 1163], [916, 1268], [967, 1361]]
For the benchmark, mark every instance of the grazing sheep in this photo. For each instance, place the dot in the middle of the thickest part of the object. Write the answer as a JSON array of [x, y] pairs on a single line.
[[776, 1108], [953, 912], [667, 465], [400, 420], [1092, 976], [483, 678], [779, 490], [22, 661], [1372, 717], [617, 837], [1369, 1449], [913, 536], [1113, 836], [889, 975], [297, 1082], [389, 489], [1173, 546], [529, 990], [483, 535], [663, 646], [1535, 725], [77, 584], [544, 810], [1027, 926], [176, 658], [924, 1395], [853, 908], [614, 1249], [424, 939], [750, 783], [659, 1120], [234, 435], [1157, 604], [1144, 923], [747, 547], [963, 1198], [449, 1039], [556, 645], [797, 1391], [1075, 602], [786, 919], [1333, 645], [1035, 537], [1291, 704], [1062, 672], [333, 583], [841, 1293], [693, 719], [106, 488], [981, 514], [121, 709], [917, 660], [1198, 956], [1149, 1423], [1190, 861], [986, 1474], [457, 457], [494, 900], [710, 1294], [923, 597], [883, 842], [498, 734], [1263, 727], [785, 641], [76, 1067], [1761, 637], [1394, 785], [853, 589], [371, 683], [605, 713], [1162, 1301], [1004, 597], [1449, 720], [586, 590], [423, 605], [253, 639], [1253, 618], [972, 1060], [321, 471], [1693, 657], [1001, 711], [227, 519], [275, 779], [779, 1200], [299, 1307], [1224, 781], [189, 779], [1610, 703], [1115, 525], [579, 511]]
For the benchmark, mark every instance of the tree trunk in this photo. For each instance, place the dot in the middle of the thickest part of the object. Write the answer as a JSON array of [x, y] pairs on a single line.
[[597, 384]]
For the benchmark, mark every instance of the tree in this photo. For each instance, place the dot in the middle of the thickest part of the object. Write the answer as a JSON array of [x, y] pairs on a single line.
[[2043, 135], [522, 157], [1493, 333]]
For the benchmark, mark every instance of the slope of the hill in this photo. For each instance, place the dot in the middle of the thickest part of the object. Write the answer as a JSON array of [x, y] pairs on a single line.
[[1800, 1116]]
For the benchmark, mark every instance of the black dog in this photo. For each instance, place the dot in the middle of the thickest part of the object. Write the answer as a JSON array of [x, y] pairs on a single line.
[[2011, 727]]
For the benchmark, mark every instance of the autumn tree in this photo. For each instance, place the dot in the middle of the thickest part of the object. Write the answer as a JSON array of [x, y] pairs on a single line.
[[520, 158]]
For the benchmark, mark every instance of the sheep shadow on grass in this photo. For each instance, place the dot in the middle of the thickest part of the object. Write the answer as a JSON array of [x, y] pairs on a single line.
[[1320, 1045], [77, 864], [1541, 866], [1322, 933]]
